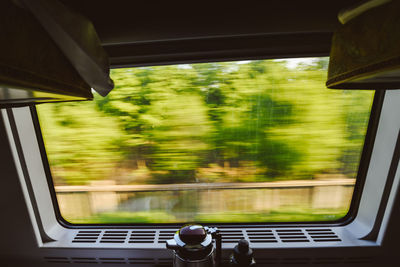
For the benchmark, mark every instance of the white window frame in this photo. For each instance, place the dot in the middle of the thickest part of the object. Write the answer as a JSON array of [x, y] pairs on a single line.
[[54, 239]]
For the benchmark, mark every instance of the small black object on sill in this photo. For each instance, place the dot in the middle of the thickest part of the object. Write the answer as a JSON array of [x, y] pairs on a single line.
[[242, 255]]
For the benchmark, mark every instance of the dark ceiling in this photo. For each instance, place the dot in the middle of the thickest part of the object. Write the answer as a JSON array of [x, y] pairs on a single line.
[[133, 31]]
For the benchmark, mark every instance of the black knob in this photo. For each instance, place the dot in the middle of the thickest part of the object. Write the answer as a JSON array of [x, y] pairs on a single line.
[[192, 234], [242, 255], [243, 246]]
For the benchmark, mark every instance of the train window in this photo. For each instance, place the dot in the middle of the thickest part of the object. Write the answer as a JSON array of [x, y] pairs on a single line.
[[229, 142]]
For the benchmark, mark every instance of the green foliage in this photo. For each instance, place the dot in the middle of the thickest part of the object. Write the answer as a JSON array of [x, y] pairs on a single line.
[[224, 122], [80, 148]]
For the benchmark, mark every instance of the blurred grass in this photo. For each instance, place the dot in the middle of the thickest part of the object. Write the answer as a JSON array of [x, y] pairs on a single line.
[[282, 215], [125, 217]]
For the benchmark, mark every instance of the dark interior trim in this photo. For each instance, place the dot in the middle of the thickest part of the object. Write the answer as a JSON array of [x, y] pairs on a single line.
[[197, 50]]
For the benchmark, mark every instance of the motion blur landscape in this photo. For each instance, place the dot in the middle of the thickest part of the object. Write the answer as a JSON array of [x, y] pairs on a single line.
[[246, 141]]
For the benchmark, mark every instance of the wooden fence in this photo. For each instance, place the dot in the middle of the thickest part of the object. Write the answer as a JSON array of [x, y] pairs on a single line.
[[105, 196]]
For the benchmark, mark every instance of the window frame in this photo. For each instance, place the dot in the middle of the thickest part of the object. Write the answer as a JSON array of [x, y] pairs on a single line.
[[365, 157], [55, 240]]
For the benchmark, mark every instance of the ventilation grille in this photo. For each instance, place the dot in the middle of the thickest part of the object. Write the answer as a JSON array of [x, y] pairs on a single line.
[[323, 235], [261, 236], [228, 236], [134, 261], [86, 237], [57, 259], [164, 235], [114, 237], [292, 235], [83, 260], [256, 235], [260, 262], [142, 237], [231, 236], [314, 261]]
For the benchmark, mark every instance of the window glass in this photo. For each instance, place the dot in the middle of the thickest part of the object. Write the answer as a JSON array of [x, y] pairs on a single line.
[[245, 141]]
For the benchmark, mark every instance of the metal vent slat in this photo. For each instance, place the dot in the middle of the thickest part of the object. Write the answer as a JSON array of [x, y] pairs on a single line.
[[314, 261], [255, 235], [353, 260], [231, 236], [356, 261], [323, 235], [57, 259], [86, 237], [261, 236], [114, 237], [164, 235], [83, 260], [142, 237], [112, 260], [292, 235]]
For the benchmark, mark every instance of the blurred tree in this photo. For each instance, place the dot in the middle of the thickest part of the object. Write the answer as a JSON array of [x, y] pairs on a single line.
[[81, 142], [165, 121], [233, 121]]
